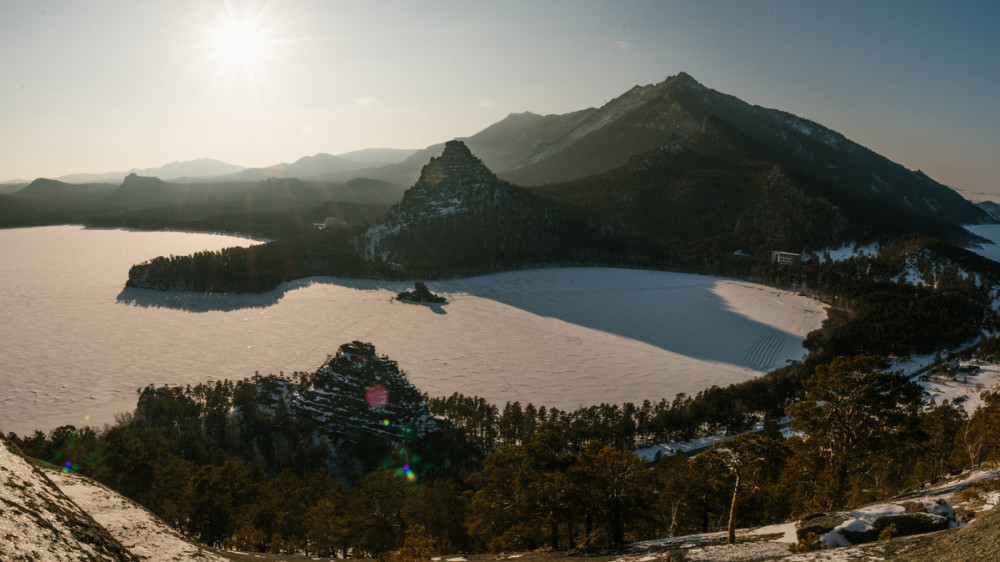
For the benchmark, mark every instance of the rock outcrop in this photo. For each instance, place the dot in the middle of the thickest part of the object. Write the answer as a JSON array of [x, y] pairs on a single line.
[[421, 293], [460, 219], [868, 523], [39, 522]]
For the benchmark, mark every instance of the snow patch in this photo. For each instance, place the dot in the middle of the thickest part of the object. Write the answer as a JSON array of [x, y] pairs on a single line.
[[786, 530], [47, 525], [847, 252]]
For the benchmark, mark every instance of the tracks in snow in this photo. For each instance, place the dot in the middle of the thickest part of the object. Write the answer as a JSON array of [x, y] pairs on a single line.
[[763, 351]]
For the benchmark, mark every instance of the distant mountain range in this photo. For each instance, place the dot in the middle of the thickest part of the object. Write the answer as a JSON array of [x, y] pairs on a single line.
[[667, 176], [531, 150], [670, 175], [201, 168], [716, 197], [318, 167]]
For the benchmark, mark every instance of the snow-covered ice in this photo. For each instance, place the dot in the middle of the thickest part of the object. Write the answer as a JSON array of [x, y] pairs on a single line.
[[990, 232], [77, 346]]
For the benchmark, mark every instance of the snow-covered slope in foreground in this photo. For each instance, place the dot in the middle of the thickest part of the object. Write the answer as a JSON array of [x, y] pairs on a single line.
[[38, 521], [142, 533], [47, 514], [772, 542]]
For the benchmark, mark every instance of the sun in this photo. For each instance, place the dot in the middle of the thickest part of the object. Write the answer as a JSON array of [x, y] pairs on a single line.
[[240, 50], [240, 45]]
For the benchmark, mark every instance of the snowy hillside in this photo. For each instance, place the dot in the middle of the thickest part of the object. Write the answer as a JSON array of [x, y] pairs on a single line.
[[39, 522], [141, 532], [52, 514]]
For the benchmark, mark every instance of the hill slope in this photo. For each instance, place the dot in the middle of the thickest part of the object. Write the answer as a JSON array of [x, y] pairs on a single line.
[[712, 194], [145, 535], [653, 116], [40, 523]]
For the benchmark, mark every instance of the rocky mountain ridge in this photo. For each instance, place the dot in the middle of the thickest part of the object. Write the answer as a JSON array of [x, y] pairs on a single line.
[[459, 213], [647, 117]]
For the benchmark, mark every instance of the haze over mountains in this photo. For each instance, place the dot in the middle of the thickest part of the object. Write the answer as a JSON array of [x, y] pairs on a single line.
[[318, 166], [716, 200], [530, 149], [672, 176]]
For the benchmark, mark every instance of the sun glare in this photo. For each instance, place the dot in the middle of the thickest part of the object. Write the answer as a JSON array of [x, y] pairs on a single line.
[[241, 50], [240, 45]]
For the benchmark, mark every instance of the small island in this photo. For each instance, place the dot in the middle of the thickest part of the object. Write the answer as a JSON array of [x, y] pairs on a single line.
[[420, 293]]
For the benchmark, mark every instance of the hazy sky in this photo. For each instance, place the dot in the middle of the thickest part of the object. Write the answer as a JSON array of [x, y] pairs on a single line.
[[112, 85]]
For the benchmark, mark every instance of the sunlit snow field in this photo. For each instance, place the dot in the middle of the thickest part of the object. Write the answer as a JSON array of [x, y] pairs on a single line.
[[76, 344]]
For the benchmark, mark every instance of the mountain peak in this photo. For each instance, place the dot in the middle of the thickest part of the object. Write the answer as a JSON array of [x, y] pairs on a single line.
[[682, 80], [134, 178], [456, 161], [682, 77], [456, 150], [459, 211], [138, 187]]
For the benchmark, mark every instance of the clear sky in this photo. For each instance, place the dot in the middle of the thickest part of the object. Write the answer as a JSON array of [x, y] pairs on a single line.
[[111, 85]]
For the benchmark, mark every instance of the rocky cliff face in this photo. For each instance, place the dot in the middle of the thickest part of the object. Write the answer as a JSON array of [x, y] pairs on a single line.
[[460, 215]]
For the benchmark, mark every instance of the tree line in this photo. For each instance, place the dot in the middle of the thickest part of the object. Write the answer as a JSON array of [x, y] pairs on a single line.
[[523, 477]]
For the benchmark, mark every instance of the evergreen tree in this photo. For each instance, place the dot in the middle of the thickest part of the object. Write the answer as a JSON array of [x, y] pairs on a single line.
[[749, 455], [326, 528], [853, 410], [622, 484]]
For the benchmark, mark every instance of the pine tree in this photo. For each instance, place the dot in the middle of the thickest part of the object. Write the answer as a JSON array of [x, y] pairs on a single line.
[[326, 528], [748, 455], [854, 409], [622, 485]]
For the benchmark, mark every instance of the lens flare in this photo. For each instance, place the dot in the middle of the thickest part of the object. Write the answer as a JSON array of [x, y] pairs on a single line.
[[102, 392], [377, 396]]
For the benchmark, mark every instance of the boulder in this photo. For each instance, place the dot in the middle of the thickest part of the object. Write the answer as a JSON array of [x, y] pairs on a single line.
[[867, 523], [818, 524], [420, 293]]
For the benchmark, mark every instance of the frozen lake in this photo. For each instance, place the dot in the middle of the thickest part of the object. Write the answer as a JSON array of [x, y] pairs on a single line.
[[77, 345], [990, 232]]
